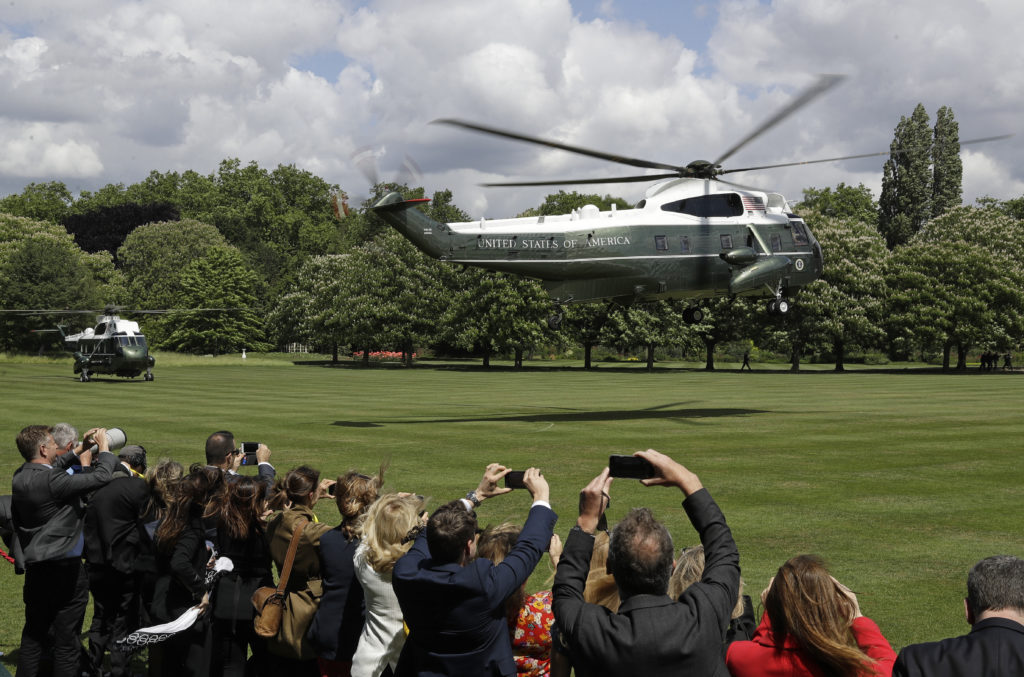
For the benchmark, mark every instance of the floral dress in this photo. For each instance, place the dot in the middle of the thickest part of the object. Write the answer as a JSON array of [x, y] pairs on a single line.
[[531, 638]]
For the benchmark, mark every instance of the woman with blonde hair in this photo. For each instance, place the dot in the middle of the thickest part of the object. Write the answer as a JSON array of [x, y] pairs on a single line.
[[383, 542], [339, 620], [812, 626], [690, 569]]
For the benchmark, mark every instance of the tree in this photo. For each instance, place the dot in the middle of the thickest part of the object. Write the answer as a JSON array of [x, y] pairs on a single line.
[[947, 168], [845, 202], [582, 323], [42, 268], [221, 279], [105, 228], [48, 201], [905, 202], [725, 319], [845, 307]]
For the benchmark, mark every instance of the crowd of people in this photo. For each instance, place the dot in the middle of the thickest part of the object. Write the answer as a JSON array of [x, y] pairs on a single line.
[[171, 558]]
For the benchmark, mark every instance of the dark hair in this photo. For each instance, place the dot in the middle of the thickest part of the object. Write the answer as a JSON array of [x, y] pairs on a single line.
[[295, 488], [163, 479], [238, 507], [218, 446], [996, 583], [29, 440], [137, 459], [448, 530], [640, 554], [804, 602], [354, 493], [193, 492]]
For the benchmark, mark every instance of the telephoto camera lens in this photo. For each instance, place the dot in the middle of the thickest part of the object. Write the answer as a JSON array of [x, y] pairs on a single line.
[[115, 440]]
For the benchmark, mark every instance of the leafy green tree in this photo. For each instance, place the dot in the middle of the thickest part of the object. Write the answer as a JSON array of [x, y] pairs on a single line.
[[905, 202], [947, 168], [496, 313], [582, 323], [221, 279], [310, 311], [726, 319], [845, 202], [48, 201], [844, 309], [42, 268]]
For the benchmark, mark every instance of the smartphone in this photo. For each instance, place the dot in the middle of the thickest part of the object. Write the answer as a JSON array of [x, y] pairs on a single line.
[[514, 479], [250, 447], [632, 467], [249, 458], [330, 489]]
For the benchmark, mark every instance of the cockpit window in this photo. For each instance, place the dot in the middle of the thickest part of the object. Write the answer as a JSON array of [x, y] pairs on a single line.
[[799, 232], [703, 206]]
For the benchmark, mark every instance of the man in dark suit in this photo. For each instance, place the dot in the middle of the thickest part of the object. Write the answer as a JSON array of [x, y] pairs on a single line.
[[995, 610], [115, 539], [49, 512], [222, 452], [454, 603], [652, 634]]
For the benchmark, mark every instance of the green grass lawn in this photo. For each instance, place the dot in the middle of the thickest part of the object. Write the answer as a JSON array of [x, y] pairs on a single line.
[[901, 479]]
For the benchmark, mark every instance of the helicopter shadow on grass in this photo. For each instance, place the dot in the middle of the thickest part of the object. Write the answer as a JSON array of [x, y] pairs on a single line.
[[668, 412]]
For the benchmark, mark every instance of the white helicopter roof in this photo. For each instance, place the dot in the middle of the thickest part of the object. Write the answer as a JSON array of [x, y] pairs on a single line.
[[108, 325]]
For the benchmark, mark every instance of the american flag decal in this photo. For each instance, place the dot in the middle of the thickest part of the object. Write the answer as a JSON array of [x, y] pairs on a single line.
[[752, 204]]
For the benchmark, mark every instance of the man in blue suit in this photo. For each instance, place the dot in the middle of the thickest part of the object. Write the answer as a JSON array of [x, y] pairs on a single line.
[[453, 603]]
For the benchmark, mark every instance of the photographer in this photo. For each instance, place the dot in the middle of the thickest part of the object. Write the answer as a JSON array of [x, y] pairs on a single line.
[[49, 513], [651, 634], [454, 604], [222, 452]]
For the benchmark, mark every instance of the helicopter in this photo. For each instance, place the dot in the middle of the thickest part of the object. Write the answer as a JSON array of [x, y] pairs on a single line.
[[114, 346], [694, 235]]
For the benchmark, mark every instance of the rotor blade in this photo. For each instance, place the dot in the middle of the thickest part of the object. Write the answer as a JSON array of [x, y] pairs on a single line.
[[564, 182], [633, 162], [824, 83], [365, 159], [898, 151]]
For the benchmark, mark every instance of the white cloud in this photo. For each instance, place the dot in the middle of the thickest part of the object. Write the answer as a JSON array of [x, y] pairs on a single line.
[[42, 151]]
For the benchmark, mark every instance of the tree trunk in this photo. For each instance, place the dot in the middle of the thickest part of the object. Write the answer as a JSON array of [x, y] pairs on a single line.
[[840, 351], [586, 355], [961, 356], [519, 358], [794, 359], [487, 359], [408, 351], [946, 348], [366, 357], [709, 362], [650, 357], [334, 352]]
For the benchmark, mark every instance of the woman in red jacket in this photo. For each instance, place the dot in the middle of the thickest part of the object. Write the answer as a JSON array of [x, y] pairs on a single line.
[[812, 626]]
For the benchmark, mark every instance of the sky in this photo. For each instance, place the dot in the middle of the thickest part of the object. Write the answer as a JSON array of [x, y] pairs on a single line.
[[105, 91]]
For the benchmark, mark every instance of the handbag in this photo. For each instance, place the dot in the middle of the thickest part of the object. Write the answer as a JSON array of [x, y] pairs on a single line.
[[268, 601]]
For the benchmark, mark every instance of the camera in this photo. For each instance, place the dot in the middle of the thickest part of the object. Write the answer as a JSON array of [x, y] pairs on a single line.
[[632, 467], [514, 479], [331, 489], [115, 440], [249, 451]]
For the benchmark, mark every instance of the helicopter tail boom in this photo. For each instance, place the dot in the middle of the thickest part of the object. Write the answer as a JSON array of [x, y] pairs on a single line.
[[429, 236]]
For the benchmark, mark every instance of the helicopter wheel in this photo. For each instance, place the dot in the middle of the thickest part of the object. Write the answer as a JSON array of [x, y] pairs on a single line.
[[693, 315], [782, 306], [773, 306], [84, 378], [555, 321], [149, 376]]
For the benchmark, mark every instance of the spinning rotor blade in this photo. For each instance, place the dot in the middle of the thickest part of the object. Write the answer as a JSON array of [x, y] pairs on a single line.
[[824, 83], [898, 151], [633, 162], [621, 179]]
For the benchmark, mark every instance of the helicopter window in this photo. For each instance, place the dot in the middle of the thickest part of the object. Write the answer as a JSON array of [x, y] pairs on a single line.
[[124, 340], [721, 204], [641, 204], [101, 328], [684, 244], [799, 232], [661, 243], [776, 242], [140, 341], [726, 241]]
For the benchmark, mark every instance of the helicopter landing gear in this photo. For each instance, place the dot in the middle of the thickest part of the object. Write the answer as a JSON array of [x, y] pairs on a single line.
[[555, 321], [149, 375], [779, 306], [693, 315], [84, 378]]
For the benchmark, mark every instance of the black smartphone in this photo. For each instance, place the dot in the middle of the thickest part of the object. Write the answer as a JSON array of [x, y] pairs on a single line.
[[250, 447], [330, 489], [632, 467], [514, 479], [249, 458]]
